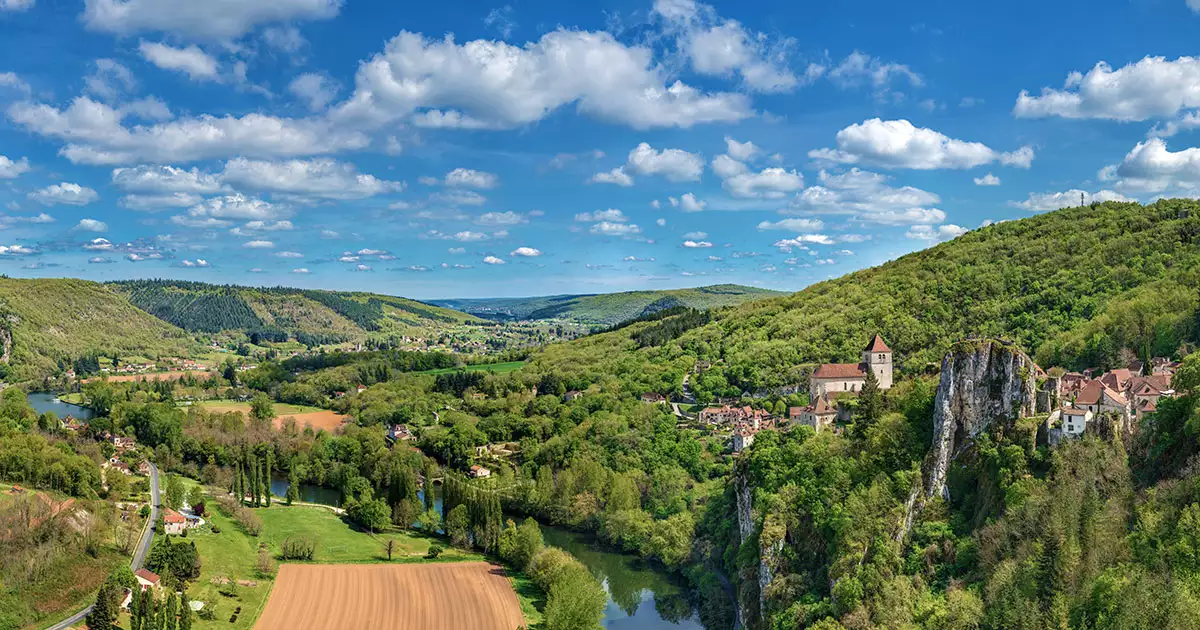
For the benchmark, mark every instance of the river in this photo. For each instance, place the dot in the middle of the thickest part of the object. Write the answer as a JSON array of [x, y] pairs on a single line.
[[43, 402], [640, 597]]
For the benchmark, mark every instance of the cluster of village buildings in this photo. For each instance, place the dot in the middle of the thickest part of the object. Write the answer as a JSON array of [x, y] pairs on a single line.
[[1119, 398], [828, 385], [1116, 398]]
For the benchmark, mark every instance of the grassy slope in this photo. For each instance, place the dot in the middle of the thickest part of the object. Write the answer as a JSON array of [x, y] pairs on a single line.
[[56, 319], [607, 309], [293, 310], [1073, 286]]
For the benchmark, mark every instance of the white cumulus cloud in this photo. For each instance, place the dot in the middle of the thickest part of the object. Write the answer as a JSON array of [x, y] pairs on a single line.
[[527, 252], [193, 61], [65, 193], [900, 144], [91, 225], [1149, 88]]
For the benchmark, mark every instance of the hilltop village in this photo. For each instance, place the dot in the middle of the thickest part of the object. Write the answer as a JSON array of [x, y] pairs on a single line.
[[1108, 403]]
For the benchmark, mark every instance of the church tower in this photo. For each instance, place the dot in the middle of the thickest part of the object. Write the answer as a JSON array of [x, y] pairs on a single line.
[[877, 356]]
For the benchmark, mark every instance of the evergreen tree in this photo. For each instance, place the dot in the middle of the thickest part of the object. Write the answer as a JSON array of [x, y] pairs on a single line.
[[135, 608], [185, 612], [104, 613], [870, 405], [267, 474], [293, 491], [169, 610], [427, 484]]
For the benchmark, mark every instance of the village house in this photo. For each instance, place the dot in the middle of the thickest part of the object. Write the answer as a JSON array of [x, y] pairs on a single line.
[[743, 437], [71, 423], [1067, 422], [123, 444], [147, 579], [818, 416], [400, 432], [119, 466], [574, 394], [653, 398], [175, 523], [832, 378], [1100, 399], [479, 472], [143, 468]]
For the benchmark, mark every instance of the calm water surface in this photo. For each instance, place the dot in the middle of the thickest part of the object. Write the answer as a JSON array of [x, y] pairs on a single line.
[[639, 596], [43, 402]]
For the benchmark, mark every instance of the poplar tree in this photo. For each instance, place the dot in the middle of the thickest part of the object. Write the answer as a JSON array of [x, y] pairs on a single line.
[[267, 475]]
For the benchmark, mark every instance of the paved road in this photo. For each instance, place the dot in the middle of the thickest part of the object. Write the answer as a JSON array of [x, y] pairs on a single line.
[[139, 555]]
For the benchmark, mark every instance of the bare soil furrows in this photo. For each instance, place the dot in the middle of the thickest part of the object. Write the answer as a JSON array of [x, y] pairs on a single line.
[[435, 596]]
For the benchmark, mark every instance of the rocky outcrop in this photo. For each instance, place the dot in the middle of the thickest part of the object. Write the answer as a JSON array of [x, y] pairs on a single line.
[[983, 382]]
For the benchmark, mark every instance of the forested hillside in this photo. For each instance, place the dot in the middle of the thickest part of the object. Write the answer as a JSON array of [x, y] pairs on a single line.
[[53, 321], [606, 309], [277, 313], [1076, 287]]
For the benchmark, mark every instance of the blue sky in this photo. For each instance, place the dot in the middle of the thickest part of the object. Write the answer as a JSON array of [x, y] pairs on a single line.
[[480, 149]]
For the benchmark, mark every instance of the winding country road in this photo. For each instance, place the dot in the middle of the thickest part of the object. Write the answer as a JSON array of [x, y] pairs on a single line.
[[139, 555]]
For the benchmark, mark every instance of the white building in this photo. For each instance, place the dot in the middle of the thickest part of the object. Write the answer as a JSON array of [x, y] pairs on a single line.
[[835, 378]]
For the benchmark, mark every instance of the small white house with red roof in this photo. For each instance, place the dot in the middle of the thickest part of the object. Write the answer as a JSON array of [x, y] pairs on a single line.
[[174, 522]]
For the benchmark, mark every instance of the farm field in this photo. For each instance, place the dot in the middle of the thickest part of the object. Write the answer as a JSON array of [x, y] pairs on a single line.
[[304, 416], [149, 376], [440, 596]]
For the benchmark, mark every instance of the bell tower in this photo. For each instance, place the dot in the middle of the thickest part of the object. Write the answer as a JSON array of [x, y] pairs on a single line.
[[877, 356]]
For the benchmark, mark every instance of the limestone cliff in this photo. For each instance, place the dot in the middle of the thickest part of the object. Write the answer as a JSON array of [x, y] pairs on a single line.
[[983, 382]]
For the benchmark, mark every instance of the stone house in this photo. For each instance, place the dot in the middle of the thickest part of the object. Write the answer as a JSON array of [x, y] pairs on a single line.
[[820, 415]]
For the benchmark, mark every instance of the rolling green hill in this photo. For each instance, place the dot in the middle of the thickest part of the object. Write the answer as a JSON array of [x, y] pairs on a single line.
[[312, 316], [605, 309], [53, 320], [1079, 287]]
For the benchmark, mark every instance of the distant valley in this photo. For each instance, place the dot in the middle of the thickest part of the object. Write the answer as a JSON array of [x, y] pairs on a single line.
[[605, 309]]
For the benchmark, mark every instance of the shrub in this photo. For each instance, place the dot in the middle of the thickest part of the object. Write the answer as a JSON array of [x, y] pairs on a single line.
[[297, 548], [434, 551]]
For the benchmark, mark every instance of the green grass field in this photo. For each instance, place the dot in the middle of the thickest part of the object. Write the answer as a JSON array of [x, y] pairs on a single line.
[[499, 368]]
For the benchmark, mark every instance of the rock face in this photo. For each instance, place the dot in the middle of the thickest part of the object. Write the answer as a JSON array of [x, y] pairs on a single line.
[[983, 382]]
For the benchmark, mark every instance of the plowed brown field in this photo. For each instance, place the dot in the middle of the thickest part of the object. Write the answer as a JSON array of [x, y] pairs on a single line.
[[435, 596]]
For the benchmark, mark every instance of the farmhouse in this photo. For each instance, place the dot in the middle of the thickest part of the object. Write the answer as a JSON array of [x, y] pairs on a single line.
[[572, 395], [653, 398], [123, 444], [175, 523], [479, 472], [832, 378], [146, 578]]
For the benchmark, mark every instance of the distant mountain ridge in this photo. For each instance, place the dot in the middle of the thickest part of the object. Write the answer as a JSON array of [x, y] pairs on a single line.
[[310, 315], [605, 309]]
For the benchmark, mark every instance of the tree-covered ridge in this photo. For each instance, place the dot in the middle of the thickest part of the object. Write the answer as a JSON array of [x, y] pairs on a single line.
[[305, 314], [607, 309], [53, 322], [1077, 287]]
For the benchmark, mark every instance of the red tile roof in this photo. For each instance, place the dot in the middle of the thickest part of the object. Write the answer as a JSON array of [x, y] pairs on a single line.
[[840, 370], [171, 516], [1090, 393], [148, 575], [877, 345]]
